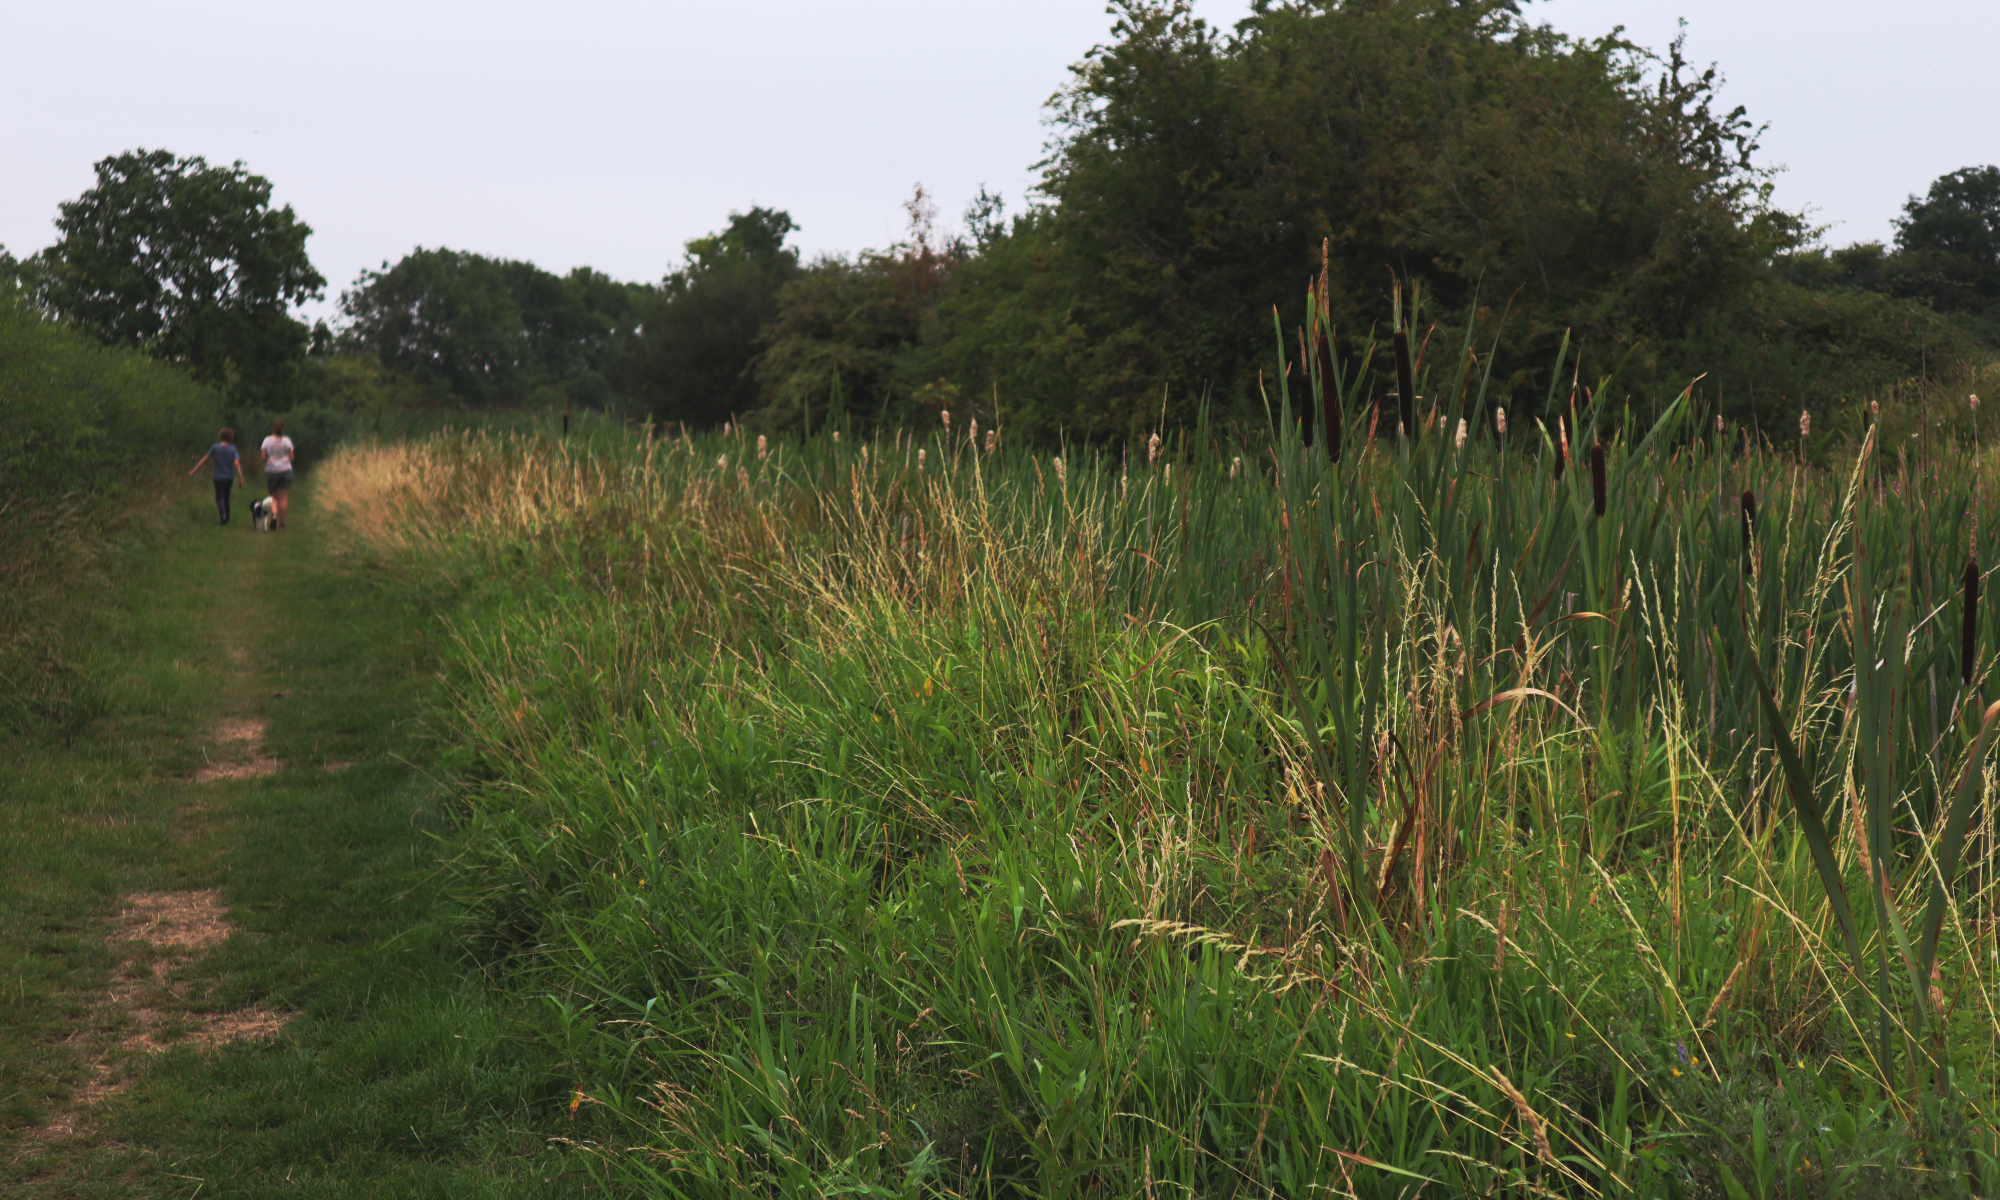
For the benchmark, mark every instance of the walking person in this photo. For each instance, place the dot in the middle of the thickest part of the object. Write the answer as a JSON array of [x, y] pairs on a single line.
[[278, 452], [228, 470]]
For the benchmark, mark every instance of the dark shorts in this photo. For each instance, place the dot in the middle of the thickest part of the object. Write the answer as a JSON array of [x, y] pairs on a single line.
[[278, 481]]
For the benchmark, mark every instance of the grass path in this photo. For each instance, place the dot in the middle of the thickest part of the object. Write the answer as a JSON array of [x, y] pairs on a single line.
[[223, 970]]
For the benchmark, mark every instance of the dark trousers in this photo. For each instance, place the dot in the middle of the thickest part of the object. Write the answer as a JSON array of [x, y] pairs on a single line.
[[222, 487]]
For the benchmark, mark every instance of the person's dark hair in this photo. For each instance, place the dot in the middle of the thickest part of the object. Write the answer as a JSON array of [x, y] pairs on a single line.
[[227, 435], [278, 428]]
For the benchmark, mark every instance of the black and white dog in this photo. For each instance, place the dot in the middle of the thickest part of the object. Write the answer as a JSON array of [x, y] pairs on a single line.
[[264, 515]]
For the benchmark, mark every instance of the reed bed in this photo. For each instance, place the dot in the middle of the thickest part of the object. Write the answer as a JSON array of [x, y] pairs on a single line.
[[1590, 808]]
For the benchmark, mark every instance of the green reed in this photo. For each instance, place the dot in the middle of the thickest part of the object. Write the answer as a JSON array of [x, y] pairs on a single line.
[[1228, 815]]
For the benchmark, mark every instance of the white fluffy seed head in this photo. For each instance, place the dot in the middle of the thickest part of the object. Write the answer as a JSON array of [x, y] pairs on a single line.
[[1500, 421], [1062, 472], [1236, 466], [1805, 423], [1458, 443], [763, 446]]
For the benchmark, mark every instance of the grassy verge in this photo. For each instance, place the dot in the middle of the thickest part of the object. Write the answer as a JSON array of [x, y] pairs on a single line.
[[897, 818], [401, 1072]]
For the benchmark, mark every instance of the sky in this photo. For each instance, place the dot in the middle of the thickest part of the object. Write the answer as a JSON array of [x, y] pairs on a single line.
[[609, 132]]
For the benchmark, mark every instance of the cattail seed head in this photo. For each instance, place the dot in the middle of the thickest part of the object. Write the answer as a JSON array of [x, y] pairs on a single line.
[[1458, 442], [1718, 422], [722, 462], [725, 429], [836, 437], [1973, 401], [1169, 469], [1062, 472], [920, 460], [763, 446], [992, 439], [944, 414], [1236, 466], [1805, 424], [1152, 449], [1500, 421], [972, 431]]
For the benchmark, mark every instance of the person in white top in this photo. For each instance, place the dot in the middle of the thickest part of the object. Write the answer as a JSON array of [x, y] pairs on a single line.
[[278, 453]]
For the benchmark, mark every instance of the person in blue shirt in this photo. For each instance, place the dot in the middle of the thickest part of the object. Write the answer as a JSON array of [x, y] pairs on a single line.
[[228, 470]]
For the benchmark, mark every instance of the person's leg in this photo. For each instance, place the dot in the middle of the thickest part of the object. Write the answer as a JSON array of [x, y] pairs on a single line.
[[222, 499], [284, 502]]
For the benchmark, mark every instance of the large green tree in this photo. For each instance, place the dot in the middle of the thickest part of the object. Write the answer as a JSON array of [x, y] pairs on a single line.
[[1198, 176], [1948, 244], [488, 330], [187, 261], [698, 332]]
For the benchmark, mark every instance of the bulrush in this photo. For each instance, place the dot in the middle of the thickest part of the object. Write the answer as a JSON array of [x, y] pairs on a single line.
[[1973, 401], [1062, 472], [1969, 635], [1597, 496], [920, 460], [763, 447], [944, 414], [1500, 421], [722, 462], [1236, 466], [1458, 443], [992, 440], [972, 431], [836, 437], [1152, 449], [1805, 424]]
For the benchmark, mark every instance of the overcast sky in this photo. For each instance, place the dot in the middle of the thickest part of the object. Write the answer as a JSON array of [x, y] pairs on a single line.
[[609, 132]]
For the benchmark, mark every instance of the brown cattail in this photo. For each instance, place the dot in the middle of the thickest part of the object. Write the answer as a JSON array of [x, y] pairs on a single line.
[[1329, 400], [1062, 472], [1458, 442], [1152, 449], [1597, 477], [1500, 421], [1969, 643], [944, 414], [763, 447], [1406, 381], [1805, 424]]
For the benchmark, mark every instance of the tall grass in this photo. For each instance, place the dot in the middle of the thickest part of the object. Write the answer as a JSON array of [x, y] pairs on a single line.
[[899, 818], [84, 431]]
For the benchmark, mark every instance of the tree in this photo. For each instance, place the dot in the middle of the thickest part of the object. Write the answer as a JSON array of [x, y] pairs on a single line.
[[1948, 242], [698, 332], [187, 261], [489, 330]]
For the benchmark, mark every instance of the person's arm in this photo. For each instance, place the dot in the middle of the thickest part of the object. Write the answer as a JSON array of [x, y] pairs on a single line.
[[204, 458], [238, 464]]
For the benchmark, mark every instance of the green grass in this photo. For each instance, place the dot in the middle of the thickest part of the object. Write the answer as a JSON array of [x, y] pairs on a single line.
[[406, 1072], [923, 823]]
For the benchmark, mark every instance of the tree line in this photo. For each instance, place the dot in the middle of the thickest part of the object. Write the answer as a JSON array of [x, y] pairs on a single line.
[[1536, 187]]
